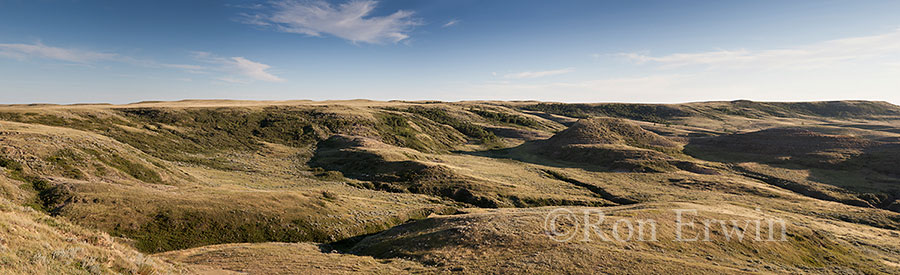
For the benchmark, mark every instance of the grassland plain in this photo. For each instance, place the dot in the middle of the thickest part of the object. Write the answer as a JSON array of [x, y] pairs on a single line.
[[441, 187]]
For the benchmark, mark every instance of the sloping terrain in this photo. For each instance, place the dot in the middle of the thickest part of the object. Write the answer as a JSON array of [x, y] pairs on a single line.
[[516, 240], [465, 179], [32, 242], [837, 167], [291, 258], [433, 187], [611, 143]]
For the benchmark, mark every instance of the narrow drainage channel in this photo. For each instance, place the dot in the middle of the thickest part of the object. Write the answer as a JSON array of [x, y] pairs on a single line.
[[593, 188]]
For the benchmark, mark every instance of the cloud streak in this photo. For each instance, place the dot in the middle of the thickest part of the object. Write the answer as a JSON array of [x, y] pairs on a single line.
[[352, 21], [236, 69], [863, 67], [817, 55], [254, 70], [39, 50], [451, 23], [538, 74]]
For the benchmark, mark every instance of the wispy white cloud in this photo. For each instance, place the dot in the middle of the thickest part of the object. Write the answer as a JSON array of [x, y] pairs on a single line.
[[537, 74], [451, 23], [622, 84], [351, 20], [233, 80], [237, 67], [39, 50], [863, 67], [254, 70], [816, 55], [186, 67], [875, 83], [638, 88], [255, 6], [234, 68]]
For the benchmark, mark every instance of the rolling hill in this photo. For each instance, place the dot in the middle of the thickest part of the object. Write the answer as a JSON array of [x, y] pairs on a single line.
[[214, 186]]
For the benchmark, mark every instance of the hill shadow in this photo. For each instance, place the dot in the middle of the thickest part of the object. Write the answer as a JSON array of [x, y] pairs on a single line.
[[850, 170]]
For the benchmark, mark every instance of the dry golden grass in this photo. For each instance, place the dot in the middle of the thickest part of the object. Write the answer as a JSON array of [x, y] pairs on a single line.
[[290, 258], [515, 240], [34, 243], [202, 178]]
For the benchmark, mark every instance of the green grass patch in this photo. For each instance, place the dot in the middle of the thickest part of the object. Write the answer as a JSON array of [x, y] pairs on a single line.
[[136, 170], [395, 129], [184, 228], [12, 167], [644, 112], [506, 118], [466, 128], [65, 160]]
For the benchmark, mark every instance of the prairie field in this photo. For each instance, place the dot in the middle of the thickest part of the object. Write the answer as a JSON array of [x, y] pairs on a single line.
[[423, 187]]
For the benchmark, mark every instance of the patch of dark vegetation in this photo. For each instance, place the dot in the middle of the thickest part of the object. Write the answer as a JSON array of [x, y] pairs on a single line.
[[180, 229], [837, 109], [466, 128], [152, 114], [51, 198], [136, 170], [185, 135], [506, 118], [66, 161], [569, 110], [643, 112], [10, 116], [47, 197], [236, 128], [396, 129], [13, 168]]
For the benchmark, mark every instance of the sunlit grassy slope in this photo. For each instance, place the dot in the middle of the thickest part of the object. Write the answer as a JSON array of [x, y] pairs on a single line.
[[387, 187]]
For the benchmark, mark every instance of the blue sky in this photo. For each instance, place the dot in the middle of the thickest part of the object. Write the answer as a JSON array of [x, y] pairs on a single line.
[[573, 51]]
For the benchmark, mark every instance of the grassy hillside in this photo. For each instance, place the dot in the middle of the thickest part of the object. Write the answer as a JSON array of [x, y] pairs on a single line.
[[387, 187], [491, 241], [32, 242]]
